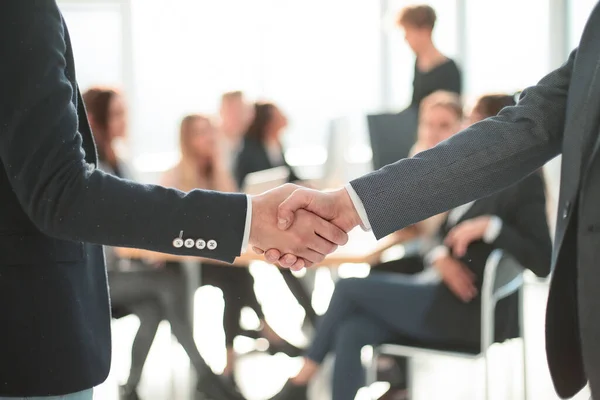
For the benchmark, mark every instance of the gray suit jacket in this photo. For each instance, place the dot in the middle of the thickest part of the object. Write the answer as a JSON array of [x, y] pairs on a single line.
[[560, 114]]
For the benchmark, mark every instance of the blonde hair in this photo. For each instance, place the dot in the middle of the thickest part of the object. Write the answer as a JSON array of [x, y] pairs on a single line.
[[190, 176], [442, 98]]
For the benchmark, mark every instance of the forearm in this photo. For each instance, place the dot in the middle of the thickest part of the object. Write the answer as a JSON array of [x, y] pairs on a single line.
[[100, 208], [480, 161], [62, 193]]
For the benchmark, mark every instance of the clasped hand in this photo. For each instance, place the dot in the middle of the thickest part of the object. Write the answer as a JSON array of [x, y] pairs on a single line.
[[299, 227]]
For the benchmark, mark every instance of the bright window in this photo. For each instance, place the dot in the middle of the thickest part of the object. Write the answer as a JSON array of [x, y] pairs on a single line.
[[579, 11], [507, 48]]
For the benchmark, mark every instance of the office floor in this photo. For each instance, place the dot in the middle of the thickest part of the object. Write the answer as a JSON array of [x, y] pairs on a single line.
[[167, 373]]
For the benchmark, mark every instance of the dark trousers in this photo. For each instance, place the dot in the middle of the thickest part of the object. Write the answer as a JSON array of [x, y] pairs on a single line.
[[237, 285], [300, 293], [361, 312], [153, 295]]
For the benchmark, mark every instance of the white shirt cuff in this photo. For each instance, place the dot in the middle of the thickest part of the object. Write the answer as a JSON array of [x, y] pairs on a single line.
[[248, 225], [360, 208], [435, 254], [493, 230]]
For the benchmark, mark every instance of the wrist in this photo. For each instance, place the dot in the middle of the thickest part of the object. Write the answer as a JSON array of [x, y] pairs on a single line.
[[347, 208]]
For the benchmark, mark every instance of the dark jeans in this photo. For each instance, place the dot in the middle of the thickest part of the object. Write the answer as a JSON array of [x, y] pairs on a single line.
[[361, 312]]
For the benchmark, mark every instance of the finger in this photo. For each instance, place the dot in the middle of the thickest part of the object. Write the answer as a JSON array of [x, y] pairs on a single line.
[[300, 198], [287, 260], [257, 250], [464, 292], [468, 288], [298, 265], [460, 247], [310, 255], [320, 245], [450, 238], [330, 232], [272, 255]]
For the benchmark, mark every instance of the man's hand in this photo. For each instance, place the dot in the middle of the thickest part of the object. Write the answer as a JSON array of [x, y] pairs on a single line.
[[462, 235], [459, 279], [309, 237], [336, 207]]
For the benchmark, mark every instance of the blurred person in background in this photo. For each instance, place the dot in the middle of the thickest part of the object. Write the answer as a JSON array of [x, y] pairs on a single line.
[[436, 125], [433, 70], [235, 116], [135, 287], [442, 119], [107, 114], [440, 306], [202, 167], [262, 150]]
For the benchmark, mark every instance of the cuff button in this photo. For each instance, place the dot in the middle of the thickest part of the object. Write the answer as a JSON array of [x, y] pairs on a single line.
[[178, 243], [189, 243], [200, 244], [212, 244]]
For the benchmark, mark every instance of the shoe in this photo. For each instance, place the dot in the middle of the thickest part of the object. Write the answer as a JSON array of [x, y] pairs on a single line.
[[292, 392], [128, 393], [212, 387]]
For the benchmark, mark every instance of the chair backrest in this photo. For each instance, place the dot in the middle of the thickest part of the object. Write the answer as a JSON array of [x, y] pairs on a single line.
[[392, 136], [503, 276]]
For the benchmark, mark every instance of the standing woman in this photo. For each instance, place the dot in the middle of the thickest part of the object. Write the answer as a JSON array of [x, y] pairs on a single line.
[[433, 70]]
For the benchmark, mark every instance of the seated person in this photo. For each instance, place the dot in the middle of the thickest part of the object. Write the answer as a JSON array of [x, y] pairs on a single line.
[[440, 306], [134, 287], [440, 123], [262, 150], [262, 143], [202, 167]]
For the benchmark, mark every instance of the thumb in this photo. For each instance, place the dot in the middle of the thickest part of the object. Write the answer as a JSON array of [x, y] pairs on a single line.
[[297, 200]]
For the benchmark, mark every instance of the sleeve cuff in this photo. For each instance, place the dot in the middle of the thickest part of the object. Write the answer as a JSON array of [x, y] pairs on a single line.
[[248, 225], [493, 229], [435, 254], [360, 208]]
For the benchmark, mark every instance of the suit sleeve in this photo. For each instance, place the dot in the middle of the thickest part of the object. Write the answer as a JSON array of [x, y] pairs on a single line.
[[41, 150], [525, 234], [483, 159]]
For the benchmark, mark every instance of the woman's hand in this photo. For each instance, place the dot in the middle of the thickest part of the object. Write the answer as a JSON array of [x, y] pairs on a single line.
[[462, 235], [459, 279]]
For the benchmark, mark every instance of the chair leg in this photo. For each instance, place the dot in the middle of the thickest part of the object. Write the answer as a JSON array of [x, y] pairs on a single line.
[[371, 372], [525, 388], [486, 379], [410, 378]]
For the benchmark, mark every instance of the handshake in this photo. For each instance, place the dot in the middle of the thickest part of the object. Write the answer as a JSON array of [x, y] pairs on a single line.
[[297, 227]]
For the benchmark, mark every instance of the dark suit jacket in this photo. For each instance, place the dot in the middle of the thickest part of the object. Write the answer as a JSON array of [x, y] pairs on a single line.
[[524, 235], [561, 114], [253, 158], [54, 318]]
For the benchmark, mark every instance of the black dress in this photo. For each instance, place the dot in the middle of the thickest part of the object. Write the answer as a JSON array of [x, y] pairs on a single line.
[[445, 76]]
